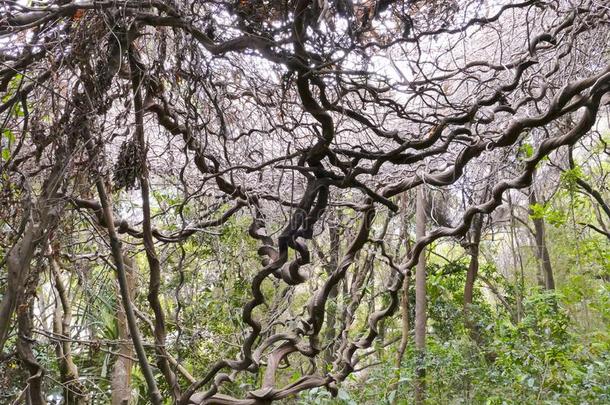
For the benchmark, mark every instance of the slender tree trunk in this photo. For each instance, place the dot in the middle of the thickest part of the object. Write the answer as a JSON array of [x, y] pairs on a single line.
[[471, 275], [149, 244], [331, 313], [404, 313], [404, 339], [517, 263], [116, 248], [25, 342], [40, 218], [117, 254], [473, 266], [74, 392], [540, 272], [404, 300], [420, 300], [18, 263], [541, 248], [121, 374]]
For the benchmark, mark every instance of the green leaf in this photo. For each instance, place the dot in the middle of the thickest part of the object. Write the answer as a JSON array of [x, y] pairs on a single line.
[[527, 150], [8, 134], [537, 211], [569, 178]]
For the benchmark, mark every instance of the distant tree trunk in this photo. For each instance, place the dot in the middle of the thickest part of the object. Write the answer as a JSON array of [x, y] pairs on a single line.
[[121, 374], [155, 281], [404, 340], [117, 255], [74, 392], [517, 263], [361, 276], [25, 341], [420, 300], [331, 313], [473, 266], [539, 272], [18, 261], [404, 313], [471, 275], [542, 251], [404, 303]]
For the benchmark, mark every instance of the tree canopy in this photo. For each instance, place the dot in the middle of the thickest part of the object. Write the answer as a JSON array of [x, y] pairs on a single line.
[[241, 202]]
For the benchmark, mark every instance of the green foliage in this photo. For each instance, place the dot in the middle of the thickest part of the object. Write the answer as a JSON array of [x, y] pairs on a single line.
[[445, 287], [570, 177], [520, 344], [7, 135], [539, 359], [547, 213], [526, 150], [13, 86]]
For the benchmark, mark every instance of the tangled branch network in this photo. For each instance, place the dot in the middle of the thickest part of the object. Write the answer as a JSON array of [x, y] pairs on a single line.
[[284, 115]]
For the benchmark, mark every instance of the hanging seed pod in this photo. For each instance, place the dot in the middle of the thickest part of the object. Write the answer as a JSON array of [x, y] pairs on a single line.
[[128, 165]]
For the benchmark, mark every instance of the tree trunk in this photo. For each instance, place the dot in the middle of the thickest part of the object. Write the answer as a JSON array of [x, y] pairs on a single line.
[[517, 263], [25, 341], [404, 339], [154, 284], [117, 255], [42, 216], [404, 313], [420, 300], [471, 275], [473, 266], [74, 392], [404, 303], [18, 263], [331, 313], [121, 374], [542, 251]]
